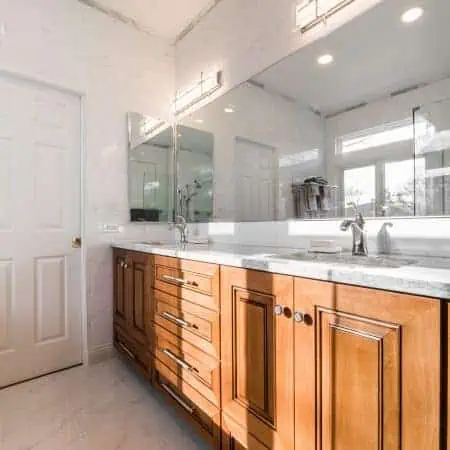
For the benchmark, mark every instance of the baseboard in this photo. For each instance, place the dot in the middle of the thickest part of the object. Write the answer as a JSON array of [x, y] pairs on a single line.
[[101, 353]]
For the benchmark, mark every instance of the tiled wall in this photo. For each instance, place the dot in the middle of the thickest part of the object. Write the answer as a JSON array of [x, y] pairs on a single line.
[[117, 69]]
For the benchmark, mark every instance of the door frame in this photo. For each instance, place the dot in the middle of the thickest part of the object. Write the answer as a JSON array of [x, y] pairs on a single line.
[[5, 73]]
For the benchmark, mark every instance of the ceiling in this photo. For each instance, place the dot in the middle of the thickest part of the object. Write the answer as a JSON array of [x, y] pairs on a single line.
[[374, 55], [167, 19]]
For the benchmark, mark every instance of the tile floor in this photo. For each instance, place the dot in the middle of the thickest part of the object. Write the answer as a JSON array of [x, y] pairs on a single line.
[[102, 407]]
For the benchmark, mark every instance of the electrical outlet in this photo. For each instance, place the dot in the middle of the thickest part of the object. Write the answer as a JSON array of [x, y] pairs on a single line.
[[112, 228]]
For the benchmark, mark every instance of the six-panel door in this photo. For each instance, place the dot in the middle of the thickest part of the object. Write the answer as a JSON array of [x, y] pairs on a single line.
[[40, 211], [367, 369], [257, 357]]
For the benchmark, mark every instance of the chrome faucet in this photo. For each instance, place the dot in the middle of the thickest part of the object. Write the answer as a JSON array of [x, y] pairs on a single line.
[[181, 226], [359, 247]]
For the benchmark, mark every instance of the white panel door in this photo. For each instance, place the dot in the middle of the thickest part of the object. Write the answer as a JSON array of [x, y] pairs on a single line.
[[40, 272], [256, 181]]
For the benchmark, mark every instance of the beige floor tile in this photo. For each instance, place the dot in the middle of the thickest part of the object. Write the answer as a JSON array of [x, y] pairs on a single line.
[[102, 407]]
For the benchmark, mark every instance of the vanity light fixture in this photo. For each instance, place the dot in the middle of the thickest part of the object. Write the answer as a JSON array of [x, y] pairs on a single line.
[[310, 13], [229, 109], [198, 120], [411, 15], [326, 59], [200, 90]]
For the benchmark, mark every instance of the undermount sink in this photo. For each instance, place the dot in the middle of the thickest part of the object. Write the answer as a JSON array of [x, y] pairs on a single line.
[[368, 261]]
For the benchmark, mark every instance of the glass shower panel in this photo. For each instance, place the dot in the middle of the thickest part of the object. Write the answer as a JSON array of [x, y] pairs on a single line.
[[432, 158]]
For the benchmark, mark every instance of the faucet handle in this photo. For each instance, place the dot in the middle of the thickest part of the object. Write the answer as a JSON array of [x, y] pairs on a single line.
[[345, 225]]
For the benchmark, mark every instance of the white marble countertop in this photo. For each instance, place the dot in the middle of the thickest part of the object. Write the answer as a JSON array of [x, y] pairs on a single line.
[[421, 275]]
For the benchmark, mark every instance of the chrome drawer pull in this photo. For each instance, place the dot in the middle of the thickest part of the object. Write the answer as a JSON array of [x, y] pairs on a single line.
[[178, 399], [178, 321], [126, 350], [180, 281], [179, 361]]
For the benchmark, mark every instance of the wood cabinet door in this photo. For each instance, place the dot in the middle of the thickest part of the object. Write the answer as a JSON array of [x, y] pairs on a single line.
[[138, 300], [121, 287], [257, 355], [375, 380]]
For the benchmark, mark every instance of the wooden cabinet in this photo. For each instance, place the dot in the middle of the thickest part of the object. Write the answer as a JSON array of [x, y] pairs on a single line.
[[367, 369], [186, 340], [257, 359], [132, 305], [271, 362]]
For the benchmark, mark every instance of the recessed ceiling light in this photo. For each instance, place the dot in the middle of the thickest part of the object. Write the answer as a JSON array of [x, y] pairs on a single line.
[[229, 109], [411, 15], [325, 59]]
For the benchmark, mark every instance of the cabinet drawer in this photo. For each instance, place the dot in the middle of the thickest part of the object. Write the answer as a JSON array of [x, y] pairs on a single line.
[[190, 280], [195, 367], [197, 325], [204, 413], [136, 353]]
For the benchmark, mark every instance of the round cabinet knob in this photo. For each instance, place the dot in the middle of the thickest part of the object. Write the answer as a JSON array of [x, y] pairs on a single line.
[[125, 266], [122, 264], [299, 317], [278, 310]]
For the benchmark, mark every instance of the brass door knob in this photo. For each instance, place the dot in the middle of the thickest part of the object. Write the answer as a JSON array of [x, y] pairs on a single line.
[[76, 242]]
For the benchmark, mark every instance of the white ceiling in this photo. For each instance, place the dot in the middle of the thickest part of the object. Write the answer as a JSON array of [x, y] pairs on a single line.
[[374, 55], [164, 18]]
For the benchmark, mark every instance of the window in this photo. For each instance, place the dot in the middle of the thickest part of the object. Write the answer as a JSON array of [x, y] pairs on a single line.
[[359, 190], [399, 186], [297, 159], [387, 134]]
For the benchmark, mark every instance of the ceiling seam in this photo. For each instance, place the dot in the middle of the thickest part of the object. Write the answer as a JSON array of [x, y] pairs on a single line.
[[193, 23], [116, 15]]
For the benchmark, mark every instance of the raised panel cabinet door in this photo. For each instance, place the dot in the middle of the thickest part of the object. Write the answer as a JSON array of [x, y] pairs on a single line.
[[120, 288], [139, 296], [374, 383], [235, 437], [257, 355]]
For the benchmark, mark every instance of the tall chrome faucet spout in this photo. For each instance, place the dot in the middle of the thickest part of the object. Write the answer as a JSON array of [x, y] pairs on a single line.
[[359, 247], [181, 226]]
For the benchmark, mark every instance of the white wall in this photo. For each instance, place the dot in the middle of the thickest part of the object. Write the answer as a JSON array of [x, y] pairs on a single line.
[[116, 69]]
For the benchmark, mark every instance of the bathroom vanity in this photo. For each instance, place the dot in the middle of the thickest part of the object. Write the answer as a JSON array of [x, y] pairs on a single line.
[[270, 349], [264, 352]]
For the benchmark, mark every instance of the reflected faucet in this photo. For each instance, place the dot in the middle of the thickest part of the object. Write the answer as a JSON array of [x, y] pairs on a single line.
[[181, 226], [359, 247]]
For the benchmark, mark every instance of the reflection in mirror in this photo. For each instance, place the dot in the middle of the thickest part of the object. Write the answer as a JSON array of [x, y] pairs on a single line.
[[195, 174], [150, 159], [433, 158], [335, 126]]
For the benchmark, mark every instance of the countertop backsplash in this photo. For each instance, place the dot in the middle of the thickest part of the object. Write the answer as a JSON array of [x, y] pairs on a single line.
[[409, 236]]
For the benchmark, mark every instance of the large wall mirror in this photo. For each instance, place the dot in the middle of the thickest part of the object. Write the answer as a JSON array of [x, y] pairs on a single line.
[[359, 119], [150, 169]]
